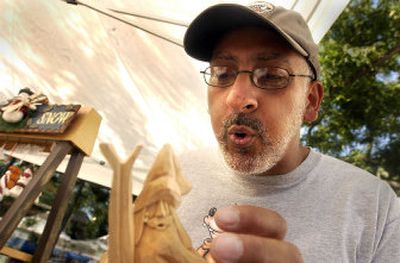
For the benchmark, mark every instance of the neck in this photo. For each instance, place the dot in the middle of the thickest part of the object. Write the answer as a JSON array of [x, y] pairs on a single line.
[[295, 154]]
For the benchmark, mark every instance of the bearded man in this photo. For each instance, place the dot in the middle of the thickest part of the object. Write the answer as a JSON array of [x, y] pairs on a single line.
[[277, 200]]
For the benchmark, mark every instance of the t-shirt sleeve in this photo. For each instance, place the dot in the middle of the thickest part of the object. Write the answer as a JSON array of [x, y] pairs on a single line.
[[388, 246]]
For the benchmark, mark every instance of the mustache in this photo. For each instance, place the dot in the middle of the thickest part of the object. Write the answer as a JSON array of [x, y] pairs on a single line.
[[243, 119]]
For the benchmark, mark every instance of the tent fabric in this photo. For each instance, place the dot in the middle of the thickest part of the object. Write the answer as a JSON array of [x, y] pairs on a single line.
[[147, 90]]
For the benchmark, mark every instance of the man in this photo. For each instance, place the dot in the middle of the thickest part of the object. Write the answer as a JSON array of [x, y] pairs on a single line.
[[277, 200]]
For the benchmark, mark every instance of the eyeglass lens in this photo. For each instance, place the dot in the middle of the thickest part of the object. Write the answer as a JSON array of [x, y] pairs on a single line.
[[265, 78]]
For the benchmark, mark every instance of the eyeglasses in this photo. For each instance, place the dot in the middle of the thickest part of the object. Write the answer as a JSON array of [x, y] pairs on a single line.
[[263, 78]]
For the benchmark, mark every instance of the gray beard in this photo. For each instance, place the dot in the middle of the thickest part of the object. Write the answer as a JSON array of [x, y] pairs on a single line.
[[246, 162]]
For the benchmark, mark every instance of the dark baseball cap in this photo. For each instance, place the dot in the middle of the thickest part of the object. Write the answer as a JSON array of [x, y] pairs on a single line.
[[209, 26]]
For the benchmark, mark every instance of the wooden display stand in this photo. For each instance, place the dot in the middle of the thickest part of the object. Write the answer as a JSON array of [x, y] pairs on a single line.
[[78, 140], [16, 254]]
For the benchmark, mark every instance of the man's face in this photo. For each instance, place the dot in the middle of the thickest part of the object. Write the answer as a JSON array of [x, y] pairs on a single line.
[[257, 128]]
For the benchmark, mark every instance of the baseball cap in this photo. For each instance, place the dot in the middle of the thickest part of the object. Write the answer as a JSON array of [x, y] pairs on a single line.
[[209, 26]]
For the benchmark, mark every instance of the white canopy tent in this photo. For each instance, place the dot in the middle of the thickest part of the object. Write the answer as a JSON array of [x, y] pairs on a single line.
[[146, 89]]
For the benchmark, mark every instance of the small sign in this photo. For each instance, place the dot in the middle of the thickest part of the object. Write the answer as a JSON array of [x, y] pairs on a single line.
[[49, 119]]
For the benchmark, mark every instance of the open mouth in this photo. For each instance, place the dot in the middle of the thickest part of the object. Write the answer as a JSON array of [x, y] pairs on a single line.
[[240, 135]]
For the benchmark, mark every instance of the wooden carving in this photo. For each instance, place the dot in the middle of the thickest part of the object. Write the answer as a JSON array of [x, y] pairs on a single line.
[[121, 237], [149, 230]]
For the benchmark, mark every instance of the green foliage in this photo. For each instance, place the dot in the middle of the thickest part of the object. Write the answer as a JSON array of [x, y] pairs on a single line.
[[89, 218], [49, 194], [5, 204], [30, 222], [9, 127], [360, 115]]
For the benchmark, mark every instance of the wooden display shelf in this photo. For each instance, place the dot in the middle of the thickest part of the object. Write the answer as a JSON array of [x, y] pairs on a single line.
[[82, 133], [16, 254], [78, 140]]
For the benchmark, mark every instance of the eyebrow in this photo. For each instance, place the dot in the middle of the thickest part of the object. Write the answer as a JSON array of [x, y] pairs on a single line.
[[265, 57], [224, 56], [261, 57]]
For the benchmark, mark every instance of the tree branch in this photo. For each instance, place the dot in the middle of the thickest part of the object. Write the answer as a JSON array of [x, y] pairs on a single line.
[[366, 69]]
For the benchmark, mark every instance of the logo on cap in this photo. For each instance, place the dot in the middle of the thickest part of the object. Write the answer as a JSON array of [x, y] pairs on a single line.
[[261, 7]]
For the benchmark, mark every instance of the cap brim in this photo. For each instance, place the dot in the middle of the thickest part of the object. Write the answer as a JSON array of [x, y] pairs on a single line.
[[208, 27]]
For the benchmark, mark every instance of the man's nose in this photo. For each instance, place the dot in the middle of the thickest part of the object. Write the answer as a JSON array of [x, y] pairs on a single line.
[[242, 95]]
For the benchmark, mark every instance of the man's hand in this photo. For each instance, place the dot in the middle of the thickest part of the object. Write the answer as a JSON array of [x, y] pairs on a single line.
[[252, 234]]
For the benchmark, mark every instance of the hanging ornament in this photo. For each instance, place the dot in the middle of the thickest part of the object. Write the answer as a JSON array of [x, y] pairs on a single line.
[[22, 182], [9, 180]]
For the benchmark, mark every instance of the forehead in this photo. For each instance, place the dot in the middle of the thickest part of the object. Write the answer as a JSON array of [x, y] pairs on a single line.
[[253, 44]]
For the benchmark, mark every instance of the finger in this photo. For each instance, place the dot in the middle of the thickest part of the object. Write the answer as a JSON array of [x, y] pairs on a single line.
[[247, 219], [237, 248]]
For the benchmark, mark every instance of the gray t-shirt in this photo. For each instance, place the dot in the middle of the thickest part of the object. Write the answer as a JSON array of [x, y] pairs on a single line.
[[335, 211]]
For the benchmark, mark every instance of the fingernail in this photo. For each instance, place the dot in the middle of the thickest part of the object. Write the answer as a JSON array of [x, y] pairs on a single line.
[[228, 217], [227, 248]]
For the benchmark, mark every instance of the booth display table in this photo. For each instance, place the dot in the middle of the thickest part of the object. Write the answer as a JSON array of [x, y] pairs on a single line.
[[77, 141]]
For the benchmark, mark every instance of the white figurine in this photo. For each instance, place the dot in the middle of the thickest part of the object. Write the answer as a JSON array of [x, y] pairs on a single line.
[[18, 106]]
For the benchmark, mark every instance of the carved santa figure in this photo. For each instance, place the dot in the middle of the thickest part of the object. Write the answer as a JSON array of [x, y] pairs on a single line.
[[159, 235]]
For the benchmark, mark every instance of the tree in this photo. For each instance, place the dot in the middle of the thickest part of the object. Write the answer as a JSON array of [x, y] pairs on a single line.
[[88, 217], [360, 115]]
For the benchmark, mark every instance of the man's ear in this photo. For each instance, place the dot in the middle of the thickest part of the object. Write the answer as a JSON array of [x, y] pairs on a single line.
[[315, 94]]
